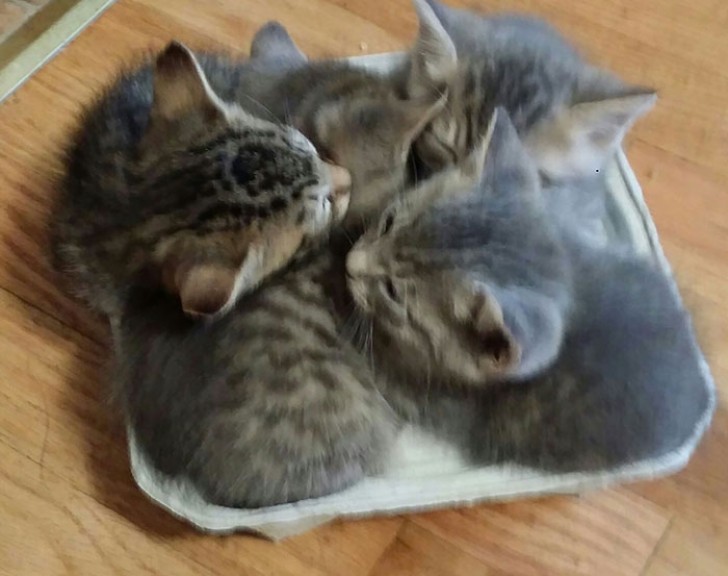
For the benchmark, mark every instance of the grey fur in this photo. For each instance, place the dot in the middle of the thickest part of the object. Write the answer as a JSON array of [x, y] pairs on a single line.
[[270, 404], [626, 385], [466, 283], [625, 382], [570, 114]]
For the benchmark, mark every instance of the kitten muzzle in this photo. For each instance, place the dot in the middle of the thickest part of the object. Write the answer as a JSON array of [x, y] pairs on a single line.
[[340, 189]]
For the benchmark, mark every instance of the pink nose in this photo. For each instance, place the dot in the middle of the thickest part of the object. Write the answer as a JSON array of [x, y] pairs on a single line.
[[357, 262], [340, 180]]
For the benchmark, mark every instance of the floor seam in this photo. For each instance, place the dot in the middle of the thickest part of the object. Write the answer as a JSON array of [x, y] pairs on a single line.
[[55, 318], [658, 546]]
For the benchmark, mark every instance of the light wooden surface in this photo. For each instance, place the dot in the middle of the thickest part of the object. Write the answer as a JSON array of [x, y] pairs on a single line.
[[67, 501], [12, 16], [47, 27]]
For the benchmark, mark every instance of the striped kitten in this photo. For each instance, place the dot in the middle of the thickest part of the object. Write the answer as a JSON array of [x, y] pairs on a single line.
[[464, 280], [170, 186], [571, 116], [515, 340], [273, 403], [267, 405], [356, 118], [627, 384]]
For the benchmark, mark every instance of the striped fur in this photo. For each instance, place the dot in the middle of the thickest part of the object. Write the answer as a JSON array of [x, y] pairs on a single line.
[[150, 199], [465, 280], [273, 402], [270, 404], [571, 115]]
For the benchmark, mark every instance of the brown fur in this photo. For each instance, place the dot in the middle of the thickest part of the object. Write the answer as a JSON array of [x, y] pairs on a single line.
[[205, 191]]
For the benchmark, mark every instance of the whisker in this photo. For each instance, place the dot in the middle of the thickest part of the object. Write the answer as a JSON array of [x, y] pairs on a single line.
[[273, 117]]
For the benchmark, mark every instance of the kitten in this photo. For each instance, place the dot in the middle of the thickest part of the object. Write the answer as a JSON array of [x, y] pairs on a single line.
[[356, 118], [571, 116], [265, 406], [464, 279], [272, 403], [627, 384], [481, 334], [170, 186]]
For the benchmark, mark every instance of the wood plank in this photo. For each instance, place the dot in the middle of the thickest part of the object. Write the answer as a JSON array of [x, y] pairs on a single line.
[[687, 551], [419, 551], [562, 536]]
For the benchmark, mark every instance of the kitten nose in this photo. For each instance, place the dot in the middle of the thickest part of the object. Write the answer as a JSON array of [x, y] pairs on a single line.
[[340, 180], [357, 263], [340, 188]]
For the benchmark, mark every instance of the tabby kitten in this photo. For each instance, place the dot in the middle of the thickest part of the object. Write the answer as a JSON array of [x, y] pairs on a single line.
[[356, 118], [267, 405], [571, 116], [517, 342], [170, 186], [272, 403], [626, 385], [464, 279]]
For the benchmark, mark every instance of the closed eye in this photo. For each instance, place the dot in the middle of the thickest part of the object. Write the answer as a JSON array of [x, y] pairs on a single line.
[[387, 225], [438, 151], [391, 290]]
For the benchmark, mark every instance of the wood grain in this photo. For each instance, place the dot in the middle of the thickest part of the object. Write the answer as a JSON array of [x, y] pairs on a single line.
[[68, 503]]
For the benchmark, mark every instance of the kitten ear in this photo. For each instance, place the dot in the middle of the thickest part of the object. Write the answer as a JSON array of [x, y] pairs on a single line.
[[494, 345], [273, 42], [457, 179], [205, 289], [180, 85], [439, 10], [433, 58], [508, 163], [518, 332], [579, 140]]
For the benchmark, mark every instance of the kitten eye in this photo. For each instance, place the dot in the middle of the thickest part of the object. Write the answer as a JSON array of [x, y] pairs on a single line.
[[387, 226], [391, 290]]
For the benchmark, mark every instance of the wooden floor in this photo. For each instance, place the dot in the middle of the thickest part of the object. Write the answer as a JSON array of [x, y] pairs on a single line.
[[67, 502], [15, 13]]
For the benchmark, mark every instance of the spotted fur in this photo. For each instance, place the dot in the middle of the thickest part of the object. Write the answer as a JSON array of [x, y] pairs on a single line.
[[169, 186]]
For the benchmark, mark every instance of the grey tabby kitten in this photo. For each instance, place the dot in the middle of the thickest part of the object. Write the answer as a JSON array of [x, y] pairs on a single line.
[[170, 186], [468, 341], [571, 116], [375, 141], [626, 386], [464, 280], [265, 406], [271, 403]]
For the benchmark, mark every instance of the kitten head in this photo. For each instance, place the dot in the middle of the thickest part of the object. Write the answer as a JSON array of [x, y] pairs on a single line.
[[355, 117], [225, 198], [370, 132], [463, 275], [571, 116]]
